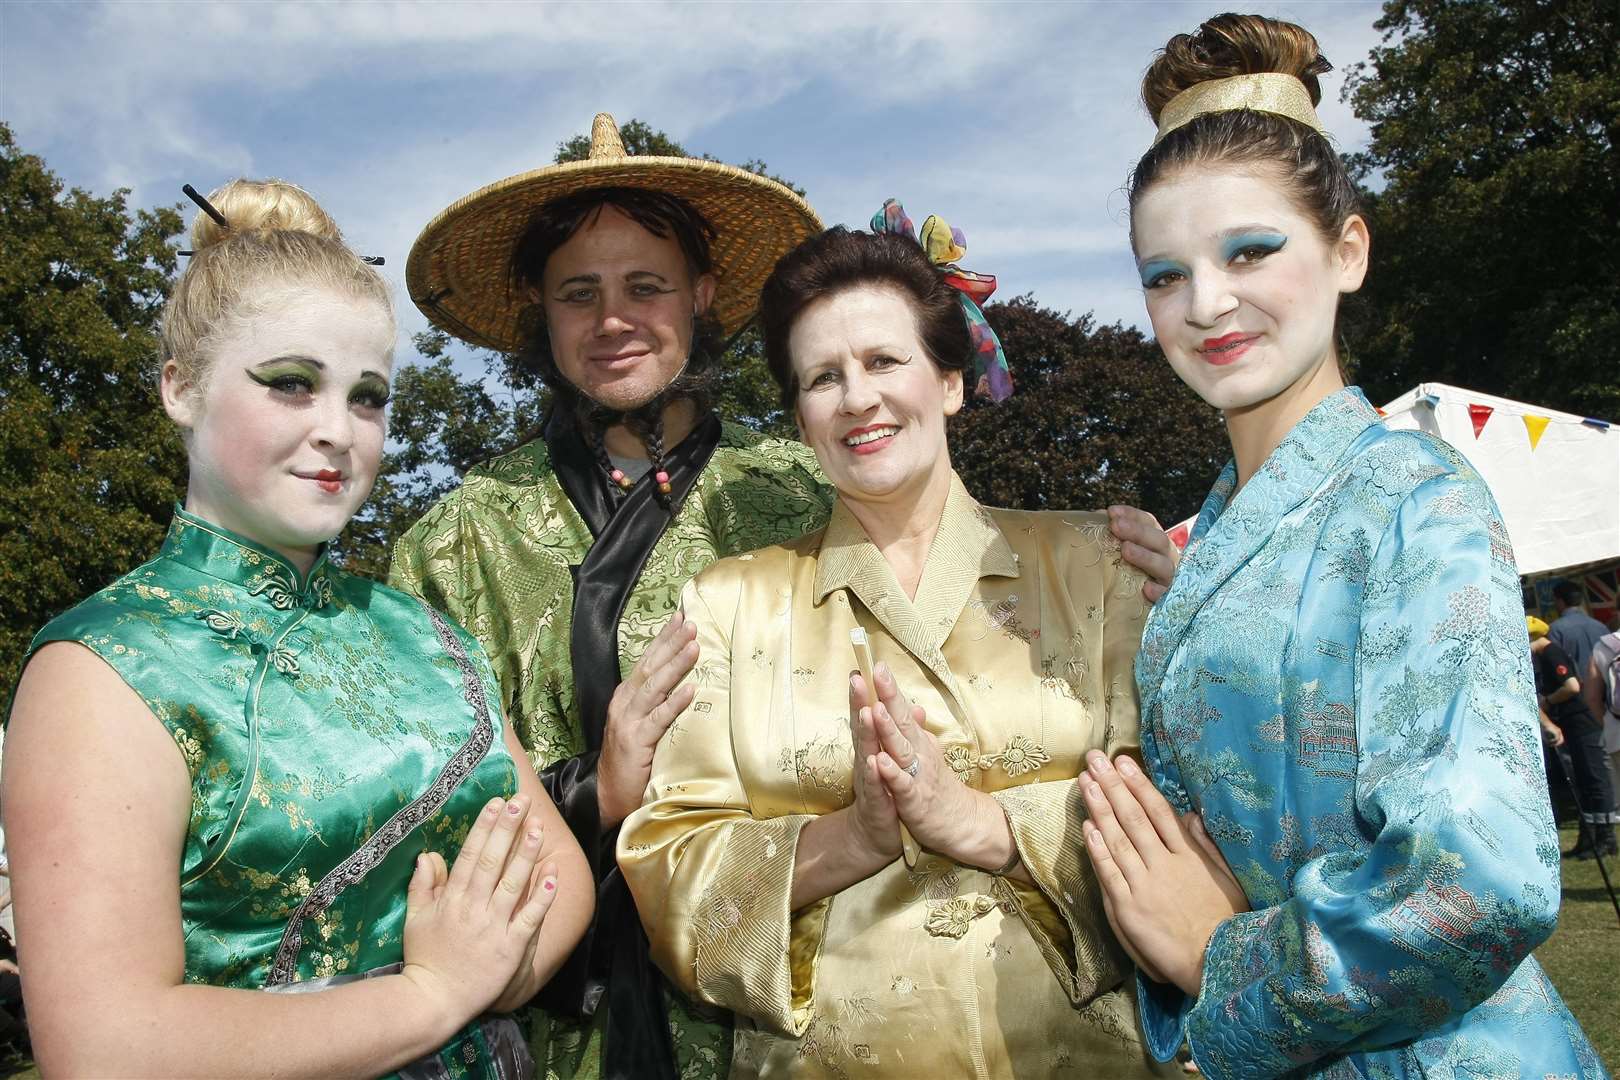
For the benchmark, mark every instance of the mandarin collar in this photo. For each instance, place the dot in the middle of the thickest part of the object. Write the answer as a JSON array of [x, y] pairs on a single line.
[[967, 546], [230, 557], [1231, 528]]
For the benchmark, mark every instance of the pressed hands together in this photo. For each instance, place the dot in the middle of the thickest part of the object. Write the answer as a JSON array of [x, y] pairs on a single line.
[[471, 931], [1165, 884]]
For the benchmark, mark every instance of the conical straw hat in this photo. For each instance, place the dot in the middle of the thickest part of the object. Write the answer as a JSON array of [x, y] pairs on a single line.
[[459, 270]]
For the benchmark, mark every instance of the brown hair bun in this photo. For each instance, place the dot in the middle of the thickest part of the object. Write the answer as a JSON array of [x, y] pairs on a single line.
[[1229, 45]]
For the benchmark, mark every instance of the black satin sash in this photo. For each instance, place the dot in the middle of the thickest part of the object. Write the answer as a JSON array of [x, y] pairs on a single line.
[[614, 959]]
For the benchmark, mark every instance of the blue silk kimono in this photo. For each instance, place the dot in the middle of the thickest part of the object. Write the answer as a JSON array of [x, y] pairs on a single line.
[[1339, 682]]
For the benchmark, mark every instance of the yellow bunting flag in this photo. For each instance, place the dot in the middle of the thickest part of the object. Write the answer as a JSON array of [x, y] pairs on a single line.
[[1535, 425]]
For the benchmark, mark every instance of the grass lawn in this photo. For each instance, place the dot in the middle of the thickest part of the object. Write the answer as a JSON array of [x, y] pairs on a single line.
[[1583, 955]]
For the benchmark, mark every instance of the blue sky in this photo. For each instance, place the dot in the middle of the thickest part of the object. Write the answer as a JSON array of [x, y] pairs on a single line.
[[1015, 121]]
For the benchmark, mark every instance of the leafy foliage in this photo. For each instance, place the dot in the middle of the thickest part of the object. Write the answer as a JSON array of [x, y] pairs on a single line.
[[1496, 133], [90, 465], [1098, 417]]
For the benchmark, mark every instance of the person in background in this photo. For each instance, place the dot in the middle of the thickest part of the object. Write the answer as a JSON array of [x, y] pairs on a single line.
[[238, 769], [1558, 692], [1336, 689], [1574, 630], [1602, 689]]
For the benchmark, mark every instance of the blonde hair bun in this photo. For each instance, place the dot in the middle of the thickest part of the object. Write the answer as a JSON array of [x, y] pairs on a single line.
[[1229, 45], [256, 206], [277, 236]]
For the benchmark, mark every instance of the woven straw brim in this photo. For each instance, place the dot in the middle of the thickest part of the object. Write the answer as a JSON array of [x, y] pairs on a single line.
[[459, 270]]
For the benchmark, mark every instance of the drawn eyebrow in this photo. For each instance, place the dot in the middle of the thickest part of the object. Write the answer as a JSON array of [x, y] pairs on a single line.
[[293, 358], [582, 279]]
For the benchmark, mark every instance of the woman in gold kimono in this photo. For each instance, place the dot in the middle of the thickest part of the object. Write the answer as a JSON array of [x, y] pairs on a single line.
[[776, 861]]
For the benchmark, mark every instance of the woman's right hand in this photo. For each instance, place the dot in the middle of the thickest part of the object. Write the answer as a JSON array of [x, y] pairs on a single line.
[[471, 932], [876, 822], [642, 708]]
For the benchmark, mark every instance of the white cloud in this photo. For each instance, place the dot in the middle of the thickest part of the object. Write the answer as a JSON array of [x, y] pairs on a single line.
[[1017, 122]]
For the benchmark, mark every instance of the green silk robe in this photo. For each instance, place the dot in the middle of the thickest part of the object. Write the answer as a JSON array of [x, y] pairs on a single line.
[[501, 555], [333, 729]]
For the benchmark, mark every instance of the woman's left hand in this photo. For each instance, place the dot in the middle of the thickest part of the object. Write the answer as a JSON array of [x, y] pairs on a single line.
[[1166, 886], [1145, 545], [944, 815]]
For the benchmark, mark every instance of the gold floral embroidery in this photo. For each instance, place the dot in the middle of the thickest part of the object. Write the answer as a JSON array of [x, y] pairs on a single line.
[[951, 918], [933, 878], [190, 748], [1020, 756], [961, 762], [830, 1039], [1004, 617], [822, 764]]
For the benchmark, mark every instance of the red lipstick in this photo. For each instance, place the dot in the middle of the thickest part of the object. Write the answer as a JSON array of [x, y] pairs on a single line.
[[330, 481], [1226, 348]]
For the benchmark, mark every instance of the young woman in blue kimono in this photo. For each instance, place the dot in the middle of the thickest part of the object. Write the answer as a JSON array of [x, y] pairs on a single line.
[[1336, 700]]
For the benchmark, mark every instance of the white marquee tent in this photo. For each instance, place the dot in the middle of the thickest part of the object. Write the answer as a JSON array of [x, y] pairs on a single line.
[[1556, 476]]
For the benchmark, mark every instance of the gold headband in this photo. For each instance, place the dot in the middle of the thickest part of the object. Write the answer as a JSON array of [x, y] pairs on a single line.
[[1268, 91]]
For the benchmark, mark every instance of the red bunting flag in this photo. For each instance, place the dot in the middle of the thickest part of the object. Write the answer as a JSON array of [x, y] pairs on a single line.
[[1479, 414]]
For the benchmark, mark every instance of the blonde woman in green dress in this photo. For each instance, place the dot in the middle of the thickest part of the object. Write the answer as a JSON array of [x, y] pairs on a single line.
[[238, 769]]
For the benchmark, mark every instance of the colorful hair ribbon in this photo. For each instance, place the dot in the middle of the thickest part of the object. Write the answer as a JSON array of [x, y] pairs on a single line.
[[944, 247]]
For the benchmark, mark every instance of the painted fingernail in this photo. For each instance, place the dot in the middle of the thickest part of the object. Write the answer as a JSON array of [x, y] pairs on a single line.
[[550, 884], [1127, 766], [492, 806], [534, 834], [514, 807]]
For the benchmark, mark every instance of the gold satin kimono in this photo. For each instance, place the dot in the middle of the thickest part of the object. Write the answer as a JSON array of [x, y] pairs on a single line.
[[1019, 645]]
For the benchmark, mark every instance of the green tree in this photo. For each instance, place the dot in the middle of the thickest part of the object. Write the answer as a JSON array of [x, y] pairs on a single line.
[[1496, 138], [440, 424], [1098, 417], [90, 465]]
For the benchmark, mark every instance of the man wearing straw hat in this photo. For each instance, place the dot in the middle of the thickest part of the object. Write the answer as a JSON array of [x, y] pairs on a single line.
[[614, 279]]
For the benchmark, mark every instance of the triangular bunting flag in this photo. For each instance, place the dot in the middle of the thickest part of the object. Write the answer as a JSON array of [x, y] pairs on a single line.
[[1535, 425], [1479, 414]]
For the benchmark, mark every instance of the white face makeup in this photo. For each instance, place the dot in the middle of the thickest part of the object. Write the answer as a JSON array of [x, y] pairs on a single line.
[[1241, 289], [619, 305], [871, 403], [286, 433]]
